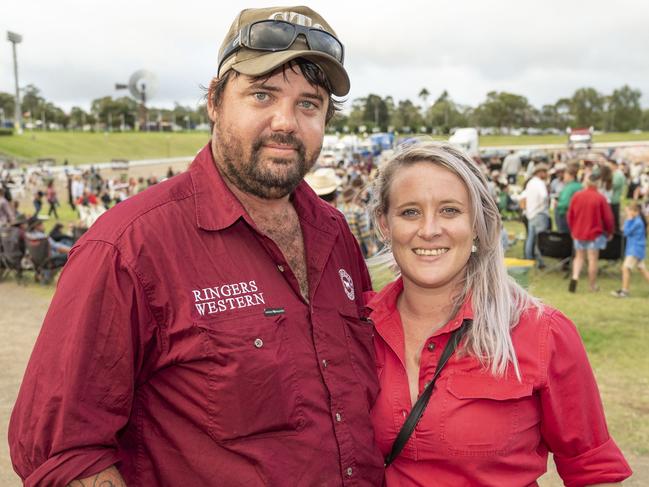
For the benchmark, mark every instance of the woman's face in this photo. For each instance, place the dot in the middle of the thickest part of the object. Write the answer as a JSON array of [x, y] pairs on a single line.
[[429, 224]]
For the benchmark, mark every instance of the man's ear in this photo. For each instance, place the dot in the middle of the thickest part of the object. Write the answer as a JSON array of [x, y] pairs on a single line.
[[211, 108]]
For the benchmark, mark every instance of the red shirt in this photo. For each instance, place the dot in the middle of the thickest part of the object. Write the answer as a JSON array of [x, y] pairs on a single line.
[[484, 430], [178, 347], [589, 215]]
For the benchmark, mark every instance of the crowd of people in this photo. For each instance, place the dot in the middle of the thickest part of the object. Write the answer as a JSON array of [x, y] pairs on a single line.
[[89, 195]]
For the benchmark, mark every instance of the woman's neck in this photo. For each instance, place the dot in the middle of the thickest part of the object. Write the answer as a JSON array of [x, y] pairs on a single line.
[[427, 307]]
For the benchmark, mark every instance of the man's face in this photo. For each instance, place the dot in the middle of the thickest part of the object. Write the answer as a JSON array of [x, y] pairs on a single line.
[[267, 135]]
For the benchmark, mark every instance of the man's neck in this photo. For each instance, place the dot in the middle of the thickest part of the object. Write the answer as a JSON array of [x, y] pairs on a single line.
[[256, 205]]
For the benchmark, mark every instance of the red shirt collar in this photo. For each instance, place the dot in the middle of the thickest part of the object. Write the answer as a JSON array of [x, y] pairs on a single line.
[[384, 313], [218, 208]]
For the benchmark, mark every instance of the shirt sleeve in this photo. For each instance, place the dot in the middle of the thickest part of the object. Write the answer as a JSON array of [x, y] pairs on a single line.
[[572, 417], [78, 387]]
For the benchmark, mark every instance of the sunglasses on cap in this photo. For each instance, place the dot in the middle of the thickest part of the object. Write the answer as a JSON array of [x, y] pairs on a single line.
[[279, 35]]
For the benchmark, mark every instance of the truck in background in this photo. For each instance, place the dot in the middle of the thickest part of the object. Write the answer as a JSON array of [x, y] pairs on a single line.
[[467, 139]]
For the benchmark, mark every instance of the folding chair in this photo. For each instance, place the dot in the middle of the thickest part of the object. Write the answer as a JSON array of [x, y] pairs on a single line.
[[44, 265], [557, 246], [12, 251]]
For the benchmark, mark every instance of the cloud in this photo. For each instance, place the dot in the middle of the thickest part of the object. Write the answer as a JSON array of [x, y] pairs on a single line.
[[76, 51]]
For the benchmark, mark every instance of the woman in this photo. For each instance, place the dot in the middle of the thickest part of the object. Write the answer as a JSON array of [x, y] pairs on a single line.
[[591, 225], [52, 199], [518, 385]]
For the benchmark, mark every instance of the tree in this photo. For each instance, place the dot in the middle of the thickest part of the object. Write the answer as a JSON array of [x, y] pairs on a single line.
[[423, 96], [564, 116], [355, 119], [31, 100], [113, 112], [502, 109], [445, 114], [645, 120], [375, 113], [624, 112], [7, 105], [79, 117], [407, 117], [587, 108]]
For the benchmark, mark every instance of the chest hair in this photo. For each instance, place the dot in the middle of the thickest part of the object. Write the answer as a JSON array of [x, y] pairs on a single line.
[[284, 229]]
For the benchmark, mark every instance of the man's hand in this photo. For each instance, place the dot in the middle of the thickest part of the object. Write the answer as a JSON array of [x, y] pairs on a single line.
[[107, 478]]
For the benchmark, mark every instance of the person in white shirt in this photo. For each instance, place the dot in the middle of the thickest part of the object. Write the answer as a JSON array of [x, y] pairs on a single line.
[[536, 203], [512, 165]]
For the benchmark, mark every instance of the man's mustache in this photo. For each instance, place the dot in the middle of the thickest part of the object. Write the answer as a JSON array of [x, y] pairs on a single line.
[[284, 139]]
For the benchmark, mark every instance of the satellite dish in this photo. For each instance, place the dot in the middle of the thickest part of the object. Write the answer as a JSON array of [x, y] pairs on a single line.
[[142, 85]]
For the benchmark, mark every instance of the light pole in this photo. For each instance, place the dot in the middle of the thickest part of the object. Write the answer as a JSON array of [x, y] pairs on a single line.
[[16, 39]]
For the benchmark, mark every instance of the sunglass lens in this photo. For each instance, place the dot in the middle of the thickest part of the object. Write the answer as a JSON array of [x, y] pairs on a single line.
[[271, 35], [320, 40]]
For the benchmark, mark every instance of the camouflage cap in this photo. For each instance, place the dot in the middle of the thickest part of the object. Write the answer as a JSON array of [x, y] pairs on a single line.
[[253, 62]]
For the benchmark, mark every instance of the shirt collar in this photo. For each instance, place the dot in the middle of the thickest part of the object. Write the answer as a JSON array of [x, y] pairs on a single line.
[[218, 208], [384, 304]]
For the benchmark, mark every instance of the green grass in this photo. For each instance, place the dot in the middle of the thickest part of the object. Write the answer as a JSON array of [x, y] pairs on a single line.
[[79, 147]]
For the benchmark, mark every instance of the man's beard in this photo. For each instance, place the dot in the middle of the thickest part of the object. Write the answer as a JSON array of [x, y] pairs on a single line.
[[248, 174]]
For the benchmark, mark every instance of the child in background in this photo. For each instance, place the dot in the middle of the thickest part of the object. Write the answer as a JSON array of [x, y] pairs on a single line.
[[635, 231]]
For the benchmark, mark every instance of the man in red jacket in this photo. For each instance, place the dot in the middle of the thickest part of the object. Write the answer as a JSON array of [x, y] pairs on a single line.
[[591, 225]]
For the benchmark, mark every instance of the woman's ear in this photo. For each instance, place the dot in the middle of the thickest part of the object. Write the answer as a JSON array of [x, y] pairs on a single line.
[[384, 228]]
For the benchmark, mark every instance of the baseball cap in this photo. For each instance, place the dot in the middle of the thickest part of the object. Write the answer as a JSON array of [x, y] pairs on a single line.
[[253, 62]]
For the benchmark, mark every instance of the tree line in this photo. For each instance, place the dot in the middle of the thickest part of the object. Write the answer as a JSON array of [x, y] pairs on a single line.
[[117, 113], [619, 111]]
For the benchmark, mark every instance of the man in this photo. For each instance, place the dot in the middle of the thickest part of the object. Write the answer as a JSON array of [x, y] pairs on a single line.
[[58, 251], [571, 186], [6, 210], [221, 339], [358, 220], [619, 180], [591, 225], [537, 211], [512, 166]]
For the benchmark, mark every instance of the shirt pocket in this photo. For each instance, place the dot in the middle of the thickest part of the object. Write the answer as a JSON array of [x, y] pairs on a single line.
[[252, 387], [359, 333], [482, 414]]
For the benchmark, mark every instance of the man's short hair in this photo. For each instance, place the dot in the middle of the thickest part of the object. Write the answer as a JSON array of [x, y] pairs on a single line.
[[311, 72]]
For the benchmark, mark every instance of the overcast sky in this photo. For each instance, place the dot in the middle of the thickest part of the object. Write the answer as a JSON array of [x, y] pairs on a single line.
[[75, 51]]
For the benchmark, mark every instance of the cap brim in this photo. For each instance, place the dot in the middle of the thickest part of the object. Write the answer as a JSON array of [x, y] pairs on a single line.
[[268, 62]]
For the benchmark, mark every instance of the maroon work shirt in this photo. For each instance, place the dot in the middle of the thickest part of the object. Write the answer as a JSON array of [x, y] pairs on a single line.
[[178, 347]]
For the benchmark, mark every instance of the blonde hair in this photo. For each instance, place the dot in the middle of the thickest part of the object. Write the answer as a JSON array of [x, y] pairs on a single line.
[[498, 300]]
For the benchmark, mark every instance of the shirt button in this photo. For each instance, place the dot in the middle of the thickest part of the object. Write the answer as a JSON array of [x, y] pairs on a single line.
[[350, 471], [325, 363], [280, 268], [259, 343], [431, 346], [339, 418]]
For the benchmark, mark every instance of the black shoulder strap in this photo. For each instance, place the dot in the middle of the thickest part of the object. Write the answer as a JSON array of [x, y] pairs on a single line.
[[419, 407]]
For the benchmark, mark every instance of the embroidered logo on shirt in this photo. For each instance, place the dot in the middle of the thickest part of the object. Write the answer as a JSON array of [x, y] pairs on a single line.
[[348, 284], [212, 300]]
